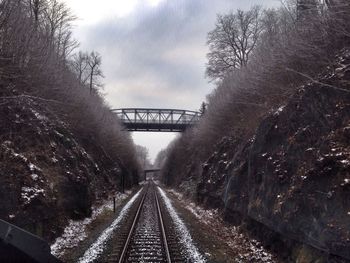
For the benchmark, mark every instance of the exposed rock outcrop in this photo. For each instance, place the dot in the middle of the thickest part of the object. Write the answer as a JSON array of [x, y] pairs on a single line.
[[294, 176], [46, 175], [300, 167]]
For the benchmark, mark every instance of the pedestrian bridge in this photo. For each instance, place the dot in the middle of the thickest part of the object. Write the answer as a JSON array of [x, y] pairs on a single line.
[[157, 120]]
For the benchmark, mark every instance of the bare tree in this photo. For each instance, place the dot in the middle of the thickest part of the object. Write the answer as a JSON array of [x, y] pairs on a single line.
[[95, 74], [143, 157], [290, 51], [232, 41], [35, 9], [160, 158], [79, 66], [203, 108], [35, 44], [306, 8], [87, 68]]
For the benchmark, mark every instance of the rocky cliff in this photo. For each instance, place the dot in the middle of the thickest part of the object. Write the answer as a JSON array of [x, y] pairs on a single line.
[[293, 176], [47, 176]]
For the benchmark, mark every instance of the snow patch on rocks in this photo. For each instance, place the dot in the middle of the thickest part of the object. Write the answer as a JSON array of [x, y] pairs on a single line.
[[38, 115], [29, 193], [278, 111]]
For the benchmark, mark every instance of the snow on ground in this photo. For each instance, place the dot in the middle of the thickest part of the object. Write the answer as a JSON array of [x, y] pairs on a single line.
[[201, 214], [192, 252], [96, 249], [75, 232], [248, 249]]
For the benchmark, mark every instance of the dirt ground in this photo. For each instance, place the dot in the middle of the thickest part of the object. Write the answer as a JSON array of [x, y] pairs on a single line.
[[218, 241]]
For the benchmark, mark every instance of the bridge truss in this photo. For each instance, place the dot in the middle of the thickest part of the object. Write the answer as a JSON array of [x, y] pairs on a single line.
[[165, 120]]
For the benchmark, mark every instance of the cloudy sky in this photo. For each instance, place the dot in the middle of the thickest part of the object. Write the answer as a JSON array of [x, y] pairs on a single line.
[[153, 51]]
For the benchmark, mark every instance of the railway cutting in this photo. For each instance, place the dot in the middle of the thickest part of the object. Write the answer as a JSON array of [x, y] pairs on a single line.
[[147, 234]]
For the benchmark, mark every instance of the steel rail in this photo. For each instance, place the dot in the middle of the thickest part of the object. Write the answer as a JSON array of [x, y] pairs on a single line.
[[136, 218], [166, 248]]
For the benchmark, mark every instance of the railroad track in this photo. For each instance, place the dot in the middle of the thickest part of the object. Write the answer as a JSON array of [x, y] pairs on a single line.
[[145, 239]]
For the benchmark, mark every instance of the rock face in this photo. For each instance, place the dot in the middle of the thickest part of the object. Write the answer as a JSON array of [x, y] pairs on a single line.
[[300, 170], [46, 176], [217, 173], [294, 175]]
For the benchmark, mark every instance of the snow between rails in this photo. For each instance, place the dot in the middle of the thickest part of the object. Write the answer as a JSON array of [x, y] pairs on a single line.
[[192, 252], [97, 248]]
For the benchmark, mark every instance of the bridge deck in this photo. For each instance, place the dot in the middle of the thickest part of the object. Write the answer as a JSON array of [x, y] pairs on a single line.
[[165, 120]]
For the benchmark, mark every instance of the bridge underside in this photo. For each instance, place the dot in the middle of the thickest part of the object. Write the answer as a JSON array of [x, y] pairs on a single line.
[[155, 172], [156, 127], [157, 120]]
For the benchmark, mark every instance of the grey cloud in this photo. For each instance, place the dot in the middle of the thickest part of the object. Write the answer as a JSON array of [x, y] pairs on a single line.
[[156, 56], [138, 47]]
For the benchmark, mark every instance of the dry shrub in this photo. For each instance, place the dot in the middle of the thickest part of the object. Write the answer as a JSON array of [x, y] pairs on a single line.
[[293, 49], [35, 53]]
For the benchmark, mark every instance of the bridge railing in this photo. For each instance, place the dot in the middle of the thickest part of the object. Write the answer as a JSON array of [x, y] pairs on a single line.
[[157, 119]]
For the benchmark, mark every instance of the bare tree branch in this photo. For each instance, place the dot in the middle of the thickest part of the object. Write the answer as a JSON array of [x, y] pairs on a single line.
[[316, 81], [232, 41]]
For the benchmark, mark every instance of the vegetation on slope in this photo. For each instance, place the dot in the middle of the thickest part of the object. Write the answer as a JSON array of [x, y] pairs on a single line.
[[295, 44], [61, 146], [272, 149]]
